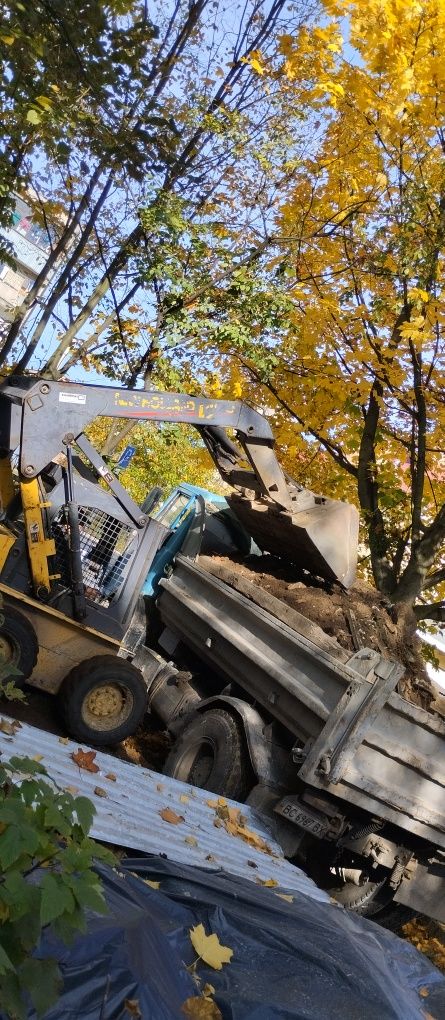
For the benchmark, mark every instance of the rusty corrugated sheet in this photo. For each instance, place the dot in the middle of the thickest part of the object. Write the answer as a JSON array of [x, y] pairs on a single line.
[[129, 815]]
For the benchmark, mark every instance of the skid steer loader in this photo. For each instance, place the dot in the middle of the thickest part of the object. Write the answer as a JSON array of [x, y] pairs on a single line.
[[75, 553]]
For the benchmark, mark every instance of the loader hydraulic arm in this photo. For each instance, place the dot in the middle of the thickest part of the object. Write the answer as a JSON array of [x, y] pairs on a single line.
[[42, 418]]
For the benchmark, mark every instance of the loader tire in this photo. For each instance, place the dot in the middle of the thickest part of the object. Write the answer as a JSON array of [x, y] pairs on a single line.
[[211, 753], [103, 700], [19, 647]]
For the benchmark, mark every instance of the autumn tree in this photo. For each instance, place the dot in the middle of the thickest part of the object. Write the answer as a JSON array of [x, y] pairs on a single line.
[[176, 106], [351, 360]]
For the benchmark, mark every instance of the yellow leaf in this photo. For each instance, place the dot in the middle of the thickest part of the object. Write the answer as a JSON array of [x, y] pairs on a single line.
[[184, 798], [37, 757], [209, 948], [191, 841], [201, 1008], [153, 885], [269, 882], [256, 66], [63, 740], [7, 39], [170, 816], [285, 896]]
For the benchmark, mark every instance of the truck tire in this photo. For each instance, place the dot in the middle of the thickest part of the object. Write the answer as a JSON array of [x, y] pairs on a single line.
[[374, 900], [19, 647], [103, 700], [211, 753]]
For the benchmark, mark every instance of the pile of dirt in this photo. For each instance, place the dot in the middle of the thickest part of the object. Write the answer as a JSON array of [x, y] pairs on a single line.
[[357, 618]]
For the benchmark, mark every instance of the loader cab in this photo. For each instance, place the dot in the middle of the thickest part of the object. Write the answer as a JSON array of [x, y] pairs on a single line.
[[220, 531]]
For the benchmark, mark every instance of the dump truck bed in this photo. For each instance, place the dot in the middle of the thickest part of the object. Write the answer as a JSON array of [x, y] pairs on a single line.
[[360, 740]]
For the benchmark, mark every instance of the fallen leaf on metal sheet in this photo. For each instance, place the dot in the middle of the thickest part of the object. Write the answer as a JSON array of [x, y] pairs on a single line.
[[153, 885], [159, 787], [209, 948], [285, 896], [133, 1008], [252, 864], [170, 816], [184, 798], [221, 802], [85, 760], [64, 740], [7, 727], [210, 857], [191, 841], [268, 882], [37, 757], [201, 1008], [100, 792], [72, 789], [111, 776]]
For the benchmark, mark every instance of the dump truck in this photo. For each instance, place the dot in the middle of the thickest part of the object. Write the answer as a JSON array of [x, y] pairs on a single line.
[[263, 705], [101, 597]]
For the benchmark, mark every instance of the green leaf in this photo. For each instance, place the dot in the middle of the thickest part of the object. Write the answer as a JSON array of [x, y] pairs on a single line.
[[42, 979], [11, 997], [27, 766], [85, 811], [44, 102], [5, 962], [10, 846], [56, 899], [33, 116], [88, 893]]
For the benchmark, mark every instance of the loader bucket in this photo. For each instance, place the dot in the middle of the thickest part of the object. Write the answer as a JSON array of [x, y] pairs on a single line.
[[320, 536]]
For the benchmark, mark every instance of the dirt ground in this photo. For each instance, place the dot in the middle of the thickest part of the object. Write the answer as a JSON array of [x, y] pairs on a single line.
[[360, 617]]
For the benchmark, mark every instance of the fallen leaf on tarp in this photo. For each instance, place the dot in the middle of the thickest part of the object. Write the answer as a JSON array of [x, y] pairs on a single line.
[[100, 792], [208, 990], [133, 1008], [64, 740], [153, 885], [424, 992], [209, 948], [85, 760], [285, 896], [170, 816], [111, 776], [268, 882], [191, 841], [184, 798], [201, 1008]]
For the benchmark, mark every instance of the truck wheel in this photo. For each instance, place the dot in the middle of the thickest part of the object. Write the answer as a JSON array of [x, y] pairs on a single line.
[[374, 900], [103, 700], [19, 646], [211, 753]]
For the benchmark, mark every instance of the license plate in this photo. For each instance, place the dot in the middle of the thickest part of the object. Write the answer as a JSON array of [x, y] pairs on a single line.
[[295, 812]]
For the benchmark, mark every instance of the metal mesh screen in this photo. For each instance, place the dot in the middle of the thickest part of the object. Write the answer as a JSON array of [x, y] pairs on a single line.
[[105, 549]]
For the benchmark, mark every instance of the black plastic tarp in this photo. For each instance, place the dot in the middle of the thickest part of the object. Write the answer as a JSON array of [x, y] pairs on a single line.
[[303, 960]]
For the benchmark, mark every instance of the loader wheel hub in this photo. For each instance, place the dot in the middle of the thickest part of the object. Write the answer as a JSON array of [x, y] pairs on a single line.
[[7, 650], [105, 701]]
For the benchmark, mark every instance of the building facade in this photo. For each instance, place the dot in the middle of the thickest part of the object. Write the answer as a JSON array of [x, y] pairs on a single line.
[[31, 246]]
